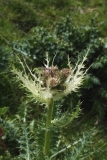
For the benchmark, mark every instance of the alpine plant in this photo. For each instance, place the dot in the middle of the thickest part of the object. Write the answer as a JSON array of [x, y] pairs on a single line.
[[50, 84]]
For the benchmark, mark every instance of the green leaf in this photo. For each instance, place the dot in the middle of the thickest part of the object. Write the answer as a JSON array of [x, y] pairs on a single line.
[[3, 110], [105, 44], [67, 117]]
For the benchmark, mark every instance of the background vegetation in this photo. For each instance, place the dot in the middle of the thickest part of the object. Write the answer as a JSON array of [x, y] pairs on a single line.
[[63, 27]]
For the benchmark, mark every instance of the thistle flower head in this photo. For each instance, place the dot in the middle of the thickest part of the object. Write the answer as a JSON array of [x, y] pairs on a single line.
[[51, 82]]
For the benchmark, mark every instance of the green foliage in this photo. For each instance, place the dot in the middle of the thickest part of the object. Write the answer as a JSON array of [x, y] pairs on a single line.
[[66, 118], [18, 17], [21, 17], [26, 142], [75, 140], [62, 145], [69, 40], [61, 4]]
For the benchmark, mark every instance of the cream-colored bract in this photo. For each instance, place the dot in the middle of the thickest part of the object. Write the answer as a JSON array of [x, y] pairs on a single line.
[[34, 84]]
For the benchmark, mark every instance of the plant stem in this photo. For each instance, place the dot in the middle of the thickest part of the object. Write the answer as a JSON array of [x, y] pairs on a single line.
[[48, 125]]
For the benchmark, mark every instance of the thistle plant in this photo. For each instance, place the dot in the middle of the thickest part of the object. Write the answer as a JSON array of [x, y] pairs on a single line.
[[49, 85]]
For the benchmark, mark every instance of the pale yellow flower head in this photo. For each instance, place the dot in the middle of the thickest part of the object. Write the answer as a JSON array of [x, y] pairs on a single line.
[[51, 82]]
